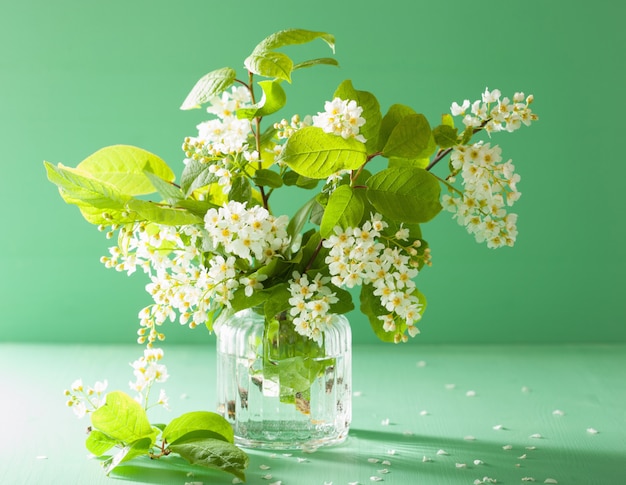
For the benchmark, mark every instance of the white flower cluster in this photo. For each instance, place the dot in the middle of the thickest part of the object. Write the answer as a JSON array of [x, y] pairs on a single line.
[[342, 118], [180, 282], [84, 400], [148, 371], [489, 187], [222, 143], [227, 134], [252, 234], [310, 302], [494, 113], [356, 257]]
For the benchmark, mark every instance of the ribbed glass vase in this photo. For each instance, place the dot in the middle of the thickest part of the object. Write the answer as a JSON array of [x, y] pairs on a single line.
[[279, 389]]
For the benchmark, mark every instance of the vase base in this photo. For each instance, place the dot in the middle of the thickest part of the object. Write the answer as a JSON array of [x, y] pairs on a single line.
[[286, 435]]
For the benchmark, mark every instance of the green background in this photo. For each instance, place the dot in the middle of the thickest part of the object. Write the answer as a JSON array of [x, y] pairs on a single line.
[[77, 76]]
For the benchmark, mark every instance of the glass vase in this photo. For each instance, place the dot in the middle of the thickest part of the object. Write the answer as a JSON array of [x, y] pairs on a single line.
[[279, 389]]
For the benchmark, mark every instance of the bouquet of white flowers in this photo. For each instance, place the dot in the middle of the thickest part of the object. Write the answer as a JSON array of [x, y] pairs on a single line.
[[213, 244]]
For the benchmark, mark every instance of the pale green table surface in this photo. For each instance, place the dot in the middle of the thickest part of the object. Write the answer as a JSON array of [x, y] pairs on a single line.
[[410, 402]]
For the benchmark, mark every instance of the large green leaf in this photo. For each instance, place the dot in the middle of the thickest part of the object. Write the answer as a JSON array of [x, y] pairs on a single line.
[[195, 421], [122, 418], [125, 167], [149, 211], [213, 453], [313, 153], [195, 175], [95, 215], [405, 194], [99, 443], [209, 85], [371, 111], [170, 192], [344, 209], [294, 36], [265, 61], [411, 138], [395, 114], [270, 64], [77, 187]]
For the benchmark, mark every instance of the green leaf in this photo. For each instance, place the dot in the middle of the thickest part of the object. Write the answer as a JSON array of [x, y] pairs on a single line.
[[447, 119], [395, 114], [240, 190], [95, 215], [241, 301], [445, 136], [371, 112], [344, 209], [300, 218], [125, 167], [209, 85], [315, 154], [187, 423], [196, 207], [405, 194], [277, 301], [372, 309], [306, 182], [293, 178], [170, 192], [345, 304], [318, 209], [273, 99], [99, 443], [78, 187], [215, 454], [329, 61], [122, 418], [128, 452], [267, 178], [410, 138], [270, 64], [295, 374], [169, 216], [294, 36], [195, 176], [266, 62], [403, 162]]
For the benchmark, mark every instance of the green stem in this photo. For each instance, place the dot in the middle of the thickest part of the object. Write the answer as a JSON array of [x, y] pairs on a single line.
[[440, 155], [257, 139], [314, 255]]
